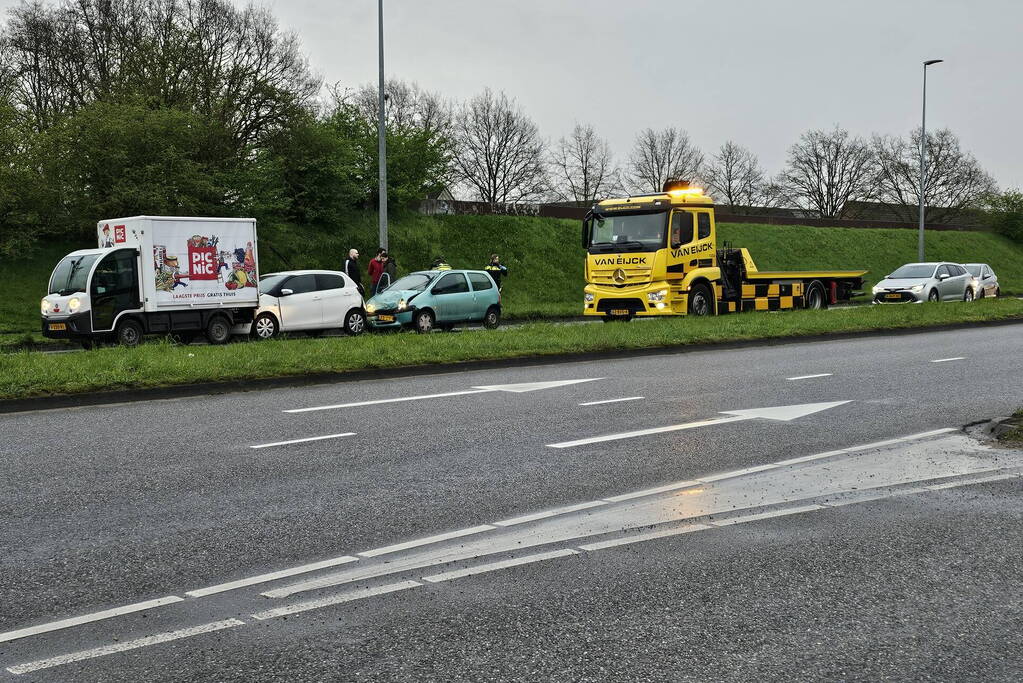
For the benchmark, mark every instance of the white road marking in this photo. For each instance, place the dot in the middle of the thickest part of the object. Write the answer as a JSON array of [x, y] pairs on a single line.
[[311, 438], [338, 599], [982, 480], [86, 618], [612, 400], [765, 515], [948, 360], [272, 576], [863, 447], [645, 432], [387, 400], [653, 491], [823, 374], [601, 545], [122, 647], [426, 541], [736, 473], [513, 388], [550, 513], [503, 564]]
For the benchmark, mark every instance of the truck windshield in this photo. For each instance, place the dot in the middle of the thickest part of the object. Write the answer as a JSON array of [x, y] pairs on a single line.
[[635, 232], [72, 274]]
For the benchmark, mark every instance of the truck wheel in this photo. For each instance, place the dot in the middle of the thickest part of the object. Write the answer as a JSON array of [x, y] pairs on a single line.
[[355, 322], [129, 333], [700, 300], [492, 319], [423, 322], [815, 299], [218, 330], [265, 327]]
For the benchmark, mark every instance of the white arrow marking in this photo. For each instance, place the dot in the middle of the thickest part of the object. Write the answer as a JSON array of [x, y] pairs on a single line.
[[784, 413], [513, 388]]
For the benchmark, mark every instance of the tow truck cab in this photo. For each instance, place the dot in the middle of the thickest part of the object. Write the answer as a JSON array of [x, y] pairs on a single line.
[[657, 254]]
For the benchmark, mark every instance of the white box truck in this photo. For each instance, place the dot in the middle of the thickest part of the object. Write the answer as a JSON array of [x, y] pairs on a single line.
[[156, 275]]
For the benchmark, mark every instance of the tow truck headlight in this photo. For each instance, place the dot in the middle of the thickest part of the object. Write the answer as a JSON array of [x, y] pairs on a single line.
[[656, 297], [588, 297], [74, 304], [44, 307]]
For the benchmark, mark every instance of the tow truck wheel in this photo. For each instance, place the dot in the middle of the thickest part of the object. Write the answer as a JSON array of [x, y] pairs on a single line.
[[423, 322], [218, 330], [700, 300], [129, 333], [814, 299]]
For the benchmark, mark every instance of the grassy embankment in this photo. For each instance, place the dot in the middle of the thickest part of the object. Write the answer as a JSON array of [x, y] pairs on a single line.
[[1014, 437], [162, 364], [543, 255]]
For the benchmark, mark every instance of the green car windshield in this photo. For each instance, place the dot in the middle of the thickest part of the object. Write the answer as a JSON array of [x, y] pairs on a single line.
[[414, 282]]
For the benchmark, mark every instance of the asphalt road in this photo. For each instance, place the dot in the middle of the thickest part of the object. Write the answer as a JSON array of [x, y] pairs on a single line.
[[109, 506]]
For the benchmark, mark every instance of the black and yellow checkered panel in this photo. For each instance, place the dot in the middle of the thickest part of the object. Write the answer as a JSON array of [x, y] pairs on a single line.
[[773, 297]]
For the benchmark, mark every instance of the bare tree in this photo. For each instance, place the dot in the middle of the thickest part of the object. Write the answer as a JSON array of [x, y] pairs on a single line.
[[233, 66], [658, 156], [408, 107], [955, 180], [499, 153], [828, 169], [583, 167], [734, 174]]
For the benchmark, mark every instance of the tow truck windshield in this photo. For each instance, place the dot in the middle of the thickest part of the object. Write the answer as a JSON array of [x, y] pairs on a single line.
[[72, 274], [630, 232]]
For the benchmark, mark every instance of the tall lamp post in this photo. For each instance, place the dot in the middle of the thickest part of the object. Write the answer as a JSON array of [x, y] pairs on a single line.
[[923, 158], [382, 135]]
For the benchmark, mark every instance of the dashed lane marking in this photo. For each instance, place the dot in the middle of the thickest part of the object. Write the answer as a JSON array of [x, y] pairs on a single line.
[[948, 360], [272, 576], [612, 400], [823, 374], [495, 566], [386, 550], [305, 440], [337, 599], [87, 618]]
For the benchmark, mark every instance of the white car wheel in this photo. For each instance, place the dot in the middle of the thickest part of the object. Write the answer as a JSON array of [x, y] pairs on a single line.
[[264, 327]]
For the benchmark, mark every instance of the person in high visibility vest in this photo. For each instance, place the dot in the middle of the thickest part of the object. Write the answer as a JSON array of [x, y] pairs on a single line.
[[439, 264], [496, 269]]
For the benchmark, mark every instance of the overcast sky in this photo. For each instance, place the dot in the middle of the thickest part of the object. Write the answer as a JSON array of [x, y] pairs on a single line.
[[754, 71]]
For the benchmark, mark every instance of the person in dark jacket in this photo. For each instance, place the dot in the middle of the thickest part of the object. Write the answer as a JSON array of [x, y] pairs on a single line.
[[351, 269], [496, 270], [390, 273]]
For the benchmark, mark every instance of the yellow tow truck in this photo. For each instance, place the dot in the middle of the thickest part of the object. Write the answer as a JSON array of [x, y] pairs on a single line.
[[657, 254]]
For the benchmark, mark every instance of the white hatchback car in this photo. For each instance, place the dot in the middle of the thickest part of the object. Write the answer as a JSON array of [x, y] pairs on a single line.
[[307, 300]]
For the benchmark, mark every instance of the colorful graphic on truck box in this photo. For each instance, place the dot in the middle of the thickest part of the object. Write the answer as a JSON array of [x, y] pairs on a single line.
[[213, 268]]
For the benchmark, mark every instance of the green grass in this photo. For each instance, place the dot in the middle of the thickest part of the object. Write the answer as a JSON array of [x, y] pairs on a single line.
[[1014, 437], [27, 373], [543, 255]]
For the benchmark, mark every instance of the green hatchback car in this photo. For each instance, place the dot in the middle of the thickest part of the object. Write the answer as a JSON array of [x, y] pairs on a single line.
[[436, 298]]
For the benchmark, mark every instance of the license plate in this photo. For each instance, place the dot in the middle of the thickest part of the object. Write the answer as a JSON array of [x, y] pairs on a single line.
[[619, 311], [893, 296], [57, 327], [385, 318]]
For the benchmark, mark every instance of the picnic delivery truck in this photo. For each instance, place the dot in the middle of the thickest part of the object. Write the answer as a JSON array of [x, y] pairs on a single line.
[[156, 275]]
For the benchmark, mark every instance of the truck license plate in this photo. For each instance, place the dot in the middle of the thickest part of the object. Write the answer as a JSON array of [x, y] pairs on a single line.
[[619, 311], [385, 318], [57, 327]]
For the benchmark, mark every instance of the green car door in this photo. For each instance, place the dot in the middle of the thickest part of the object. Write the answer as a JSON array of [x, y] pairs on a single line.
[[452, 300]]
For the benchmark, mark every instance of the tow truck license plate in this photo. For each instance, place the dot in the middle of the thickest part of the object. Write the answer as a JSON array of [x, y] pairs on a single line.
[[385, 318], [619, 311], [893, 295], [54, 327]]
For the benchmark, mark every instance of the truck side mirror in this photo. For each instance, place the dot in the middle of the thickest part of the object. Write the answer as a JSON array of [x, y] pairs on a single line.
[[586, 234], [287, 292]]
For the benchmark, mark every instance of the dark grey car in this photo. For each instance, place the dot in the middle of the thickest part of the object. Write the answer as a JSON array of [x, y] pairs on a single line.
[[920, 282]]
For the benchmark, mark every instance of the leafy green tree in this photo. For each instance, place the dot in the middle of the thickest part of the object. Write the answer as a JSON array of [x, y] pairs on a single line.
[[1005, 214]]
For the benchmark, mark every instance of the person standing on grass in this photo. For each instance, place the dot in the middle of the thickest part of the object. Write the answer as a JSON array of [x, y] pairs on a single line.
[[376, 267], [390, 273], [496, 270], [352, 269]]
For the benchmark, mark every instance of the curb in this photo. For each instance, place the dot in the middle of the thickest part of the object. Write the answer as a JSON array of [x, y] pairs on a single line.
[[96, 398]]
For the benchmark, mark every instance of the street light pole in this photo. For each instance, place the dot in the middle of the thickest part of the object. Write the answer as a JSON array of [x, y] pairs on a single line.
[[382, 134], [923, 159]]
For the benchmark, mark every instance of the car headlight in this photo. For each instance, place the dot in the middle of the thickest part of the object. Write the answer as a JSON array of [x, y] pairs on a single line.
[[370, 308], [74, 304], [588, 297], [44, 307], [654, 297], [916, 289], [402, 305], [877, 289]]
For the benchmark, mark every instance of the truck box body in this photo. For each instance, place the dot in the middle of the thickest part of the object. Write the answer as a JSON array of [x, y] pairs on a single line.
[[189, 262]]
